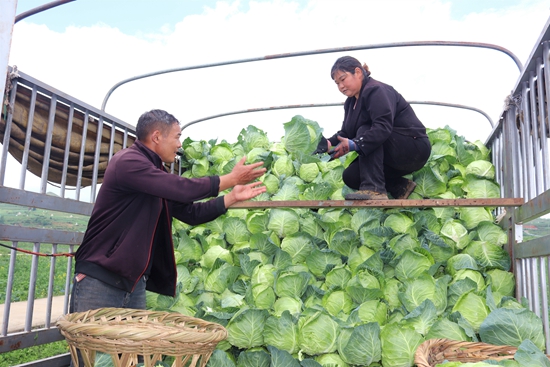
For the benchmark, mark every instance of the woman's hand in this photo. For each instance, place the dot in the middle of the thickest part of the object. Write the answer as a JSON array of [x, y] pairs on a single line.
[[241, 174], [341, 149], [243, 192]]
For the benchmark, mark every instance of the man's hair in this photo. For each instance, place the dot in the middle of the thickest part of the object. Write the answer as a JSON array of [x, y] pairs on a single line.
[[154, 120]]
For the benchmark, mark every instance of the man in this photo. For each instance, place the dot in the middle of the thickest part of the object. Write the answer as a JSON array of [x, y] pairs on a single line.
[[127, 247]]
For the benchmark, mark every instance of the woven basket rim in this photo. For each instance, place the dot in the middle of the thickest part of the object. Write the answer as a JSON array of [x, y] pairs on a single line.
[[139, 325], [434, 351]]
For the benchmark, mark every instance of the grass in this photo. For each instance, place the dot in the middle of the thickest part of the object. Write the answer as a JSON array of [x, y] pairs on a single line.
[[33, 353]]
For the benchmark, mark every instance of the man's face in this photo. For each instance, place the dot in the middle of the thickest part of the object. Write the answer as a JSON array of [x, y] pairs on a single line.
[[169, 144]]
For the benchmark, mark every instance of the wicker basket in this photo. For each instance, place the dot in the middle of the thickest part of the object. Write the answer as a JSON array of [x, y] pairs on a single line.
[[434, 351], [125, 333]]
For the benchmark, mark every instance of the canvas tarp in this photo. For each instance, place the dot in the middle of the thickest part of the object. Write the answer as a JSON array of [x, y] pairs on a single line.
[[59, 138]]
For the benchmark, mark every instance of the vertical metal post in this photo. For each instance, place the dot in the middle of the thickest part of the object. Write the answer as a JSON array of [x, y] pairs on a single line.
[[28, 135], [51, 285], [544, 301], [68, 279], [546, 107], [7, 134], [99, 138], [510, 167], [67, 150], [9, 289], [534, 82], [7, 20], [32, 288], [541, 131], [525, 120], [82, 155], [48, 145]]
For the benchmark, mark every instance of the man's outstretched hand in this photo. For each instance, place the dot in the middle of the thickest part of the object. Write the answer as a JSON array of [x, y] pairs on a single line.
[[243, 192], [241, 174]]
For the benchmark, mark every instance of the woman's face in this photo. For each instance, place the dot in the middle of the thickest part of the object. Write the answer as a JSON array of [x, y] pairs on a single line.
[[349, 83]]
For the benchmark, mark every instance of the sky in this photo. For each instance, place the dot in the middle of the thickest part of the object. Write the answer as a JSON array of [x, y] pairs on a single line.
[[85, 47]]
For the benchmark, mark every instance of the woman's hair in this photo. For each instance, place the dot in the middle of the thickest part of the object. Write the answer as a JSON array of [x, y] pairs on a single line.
[[154, 120], [348, 64]]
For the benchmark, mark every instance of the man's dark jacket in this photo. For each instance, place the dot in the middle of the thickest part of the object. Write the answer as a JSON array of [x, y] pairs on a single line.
[[380, 111], [132, 220]]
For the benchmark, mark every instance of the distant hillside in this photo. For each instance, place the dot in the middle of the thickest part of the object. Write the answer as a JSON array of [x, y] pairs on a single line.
[[23, 216]]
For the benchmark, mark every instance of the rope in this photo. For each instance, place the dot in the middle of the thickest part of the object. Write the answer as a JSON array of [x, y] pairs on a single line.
[[66, 254]]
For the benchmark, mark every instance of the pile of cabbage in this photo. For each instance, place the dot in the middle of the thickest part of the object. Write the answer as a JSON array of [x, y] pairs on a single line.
[[347, 287]]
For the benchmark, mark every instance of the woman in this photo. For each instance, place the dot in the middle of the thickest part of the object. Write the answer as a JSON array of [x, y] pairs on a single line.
[[383, 128]]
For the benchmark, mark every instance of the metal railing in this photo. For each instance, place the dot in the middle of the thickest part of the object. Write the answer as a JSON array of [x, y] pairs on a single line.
[[520, 149], [54, 150]]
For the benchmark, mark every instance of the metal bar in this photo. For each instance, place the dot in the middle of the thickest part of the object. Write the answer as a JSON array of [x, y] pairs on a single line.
[[524, 140], [7, 134], [533, 87], [317, 52], [521, 279], [533, 209], [544, 295], [61, 360], [539, 122], [14, 233], [99, 135], [516, 168], [309, 105], [32, 288], [40, 8], [68, 279], [544, 117], [47, 316], [535, 286], [42, 201], [82, 154], [67, 149], [112, 141], [9, 290], [544, 285], [28, 134], [37, 337], [532, 248], [48, 146], [529, 282], [64, 98], [378, 203]]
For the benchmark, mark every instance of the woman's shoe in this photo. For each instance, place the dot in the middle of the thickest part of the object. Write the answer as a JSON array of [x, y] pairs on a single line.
[[366, 195], [406, 191]]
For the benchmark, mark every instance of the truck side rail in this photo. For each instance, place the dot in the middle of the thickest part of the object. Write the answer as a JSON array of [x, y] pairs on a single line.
[[519, 146], [59, 147]]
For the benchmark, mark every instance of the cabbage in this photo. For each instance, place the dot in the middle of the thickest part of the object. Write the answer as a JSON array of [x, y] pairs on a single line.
[[283, 167], [246, 328], [283, 222], [347, 286], [308, 171], [511, 327], [317, 333], [301, 135], [399, 343], [473, 308], [282, 332]]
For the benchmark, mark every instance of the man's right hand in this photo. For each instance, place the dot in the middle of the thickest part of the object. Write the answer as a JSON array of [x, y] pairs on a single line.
[[242, 174]]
